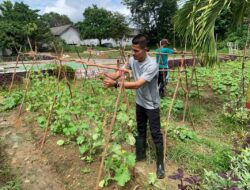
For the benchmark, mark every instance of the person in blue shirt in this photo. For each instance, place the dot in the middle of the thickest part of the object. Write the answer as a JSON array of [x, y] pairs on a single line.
[[162, 60]]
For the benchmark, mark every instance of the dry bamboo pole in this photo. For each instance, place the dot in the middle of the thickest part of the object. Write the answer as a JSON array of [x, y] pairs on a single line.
[[197, 86], [173, 70], [109, 136], [78, 54], [67, 83], [35, 52], [244, 62], [123, 58], [96, 65], [89, 57], [51, 109], [21, 57], [180, 52], [189, 86], [14, 74], [86, 71], [66, 80], [181, 70], [186, 77], [48, 122], [126, 98], [26, 86], [88, 63], [191, 117], [169, 114]]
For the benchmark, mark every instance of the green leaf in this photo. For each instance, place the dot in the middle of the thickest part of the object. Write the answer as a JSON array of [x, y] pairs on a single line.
[[80, 140], [122, 117], [130, 139], [83, 126], [131, 160], [95, 136], [152, 178], [83, 149], [91, 114], [97, 143], [42, 121], [122, 176], [60, 142], [130, 123], [89, 159], [116, 148]]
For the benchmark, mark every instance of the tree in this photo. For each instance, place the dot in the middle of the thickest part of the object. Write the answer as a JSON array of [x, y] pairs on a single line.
[[101, 24], [17, 22], [195, 22], [223, 23], [153, 17], [54, 19]]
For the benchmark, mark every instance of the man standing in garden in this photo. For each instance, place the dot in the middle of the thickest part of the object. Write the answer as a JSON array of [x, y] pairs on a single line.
[[162, 60], [145, 72]]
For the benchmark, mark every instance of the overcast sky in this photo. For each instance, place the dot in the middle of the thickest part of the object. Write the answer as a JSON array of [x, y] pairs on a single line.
[[73, 8]]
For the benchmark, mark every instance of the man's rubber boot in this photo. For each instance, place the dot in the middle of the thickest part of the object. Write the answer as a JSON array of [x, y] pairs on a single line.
[[159, 161], [140, 146]]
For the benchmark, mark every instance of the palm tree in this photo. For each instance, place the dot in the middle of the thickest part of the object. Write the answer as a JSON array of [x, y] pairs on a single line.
[[195, 22]]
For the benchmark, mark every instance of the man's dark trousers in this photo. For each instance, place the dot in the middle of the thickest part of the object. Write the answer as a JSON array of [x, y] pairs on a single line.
[[162, 81], [144, 115]]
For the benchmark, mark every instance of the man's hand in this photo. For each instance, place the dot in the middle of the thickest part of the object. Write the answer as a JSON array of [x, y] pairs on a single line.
[[108, 82], [113, 76]]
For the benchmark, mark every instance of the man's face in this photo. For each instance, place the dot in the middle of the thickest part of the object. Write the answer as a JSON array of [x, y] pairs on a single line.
[[139, 53]]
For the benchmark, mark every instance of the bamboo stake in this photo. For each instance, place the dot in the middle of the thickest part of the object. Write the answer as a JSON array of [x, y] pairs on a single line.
[[123, 58], [26, 87], [96, 65], [14, 74], [51, 108], [108, 137], [189, 86], [197, 86], [86, 72], [48, 122], [244, 62], [168, 117], [87, 63], [24, 65]]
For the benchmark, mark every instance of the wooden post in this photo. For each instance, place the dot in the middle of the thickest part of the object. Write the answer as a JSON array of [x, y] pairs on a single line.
[[108, 137]]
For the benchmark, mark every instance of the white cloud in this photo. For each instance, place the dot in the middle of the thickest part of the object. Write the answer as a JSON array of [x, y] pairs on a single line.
[[61, 7], [75, 8]]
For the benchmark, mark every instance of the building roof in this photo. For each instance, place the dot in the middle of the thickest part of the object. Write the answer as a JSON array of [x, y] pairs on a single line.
[[57, 31]]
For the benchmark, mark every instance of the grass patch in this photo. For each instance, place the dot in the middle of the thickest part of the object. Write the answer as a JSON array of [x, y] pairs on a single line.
[[200, 155]]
